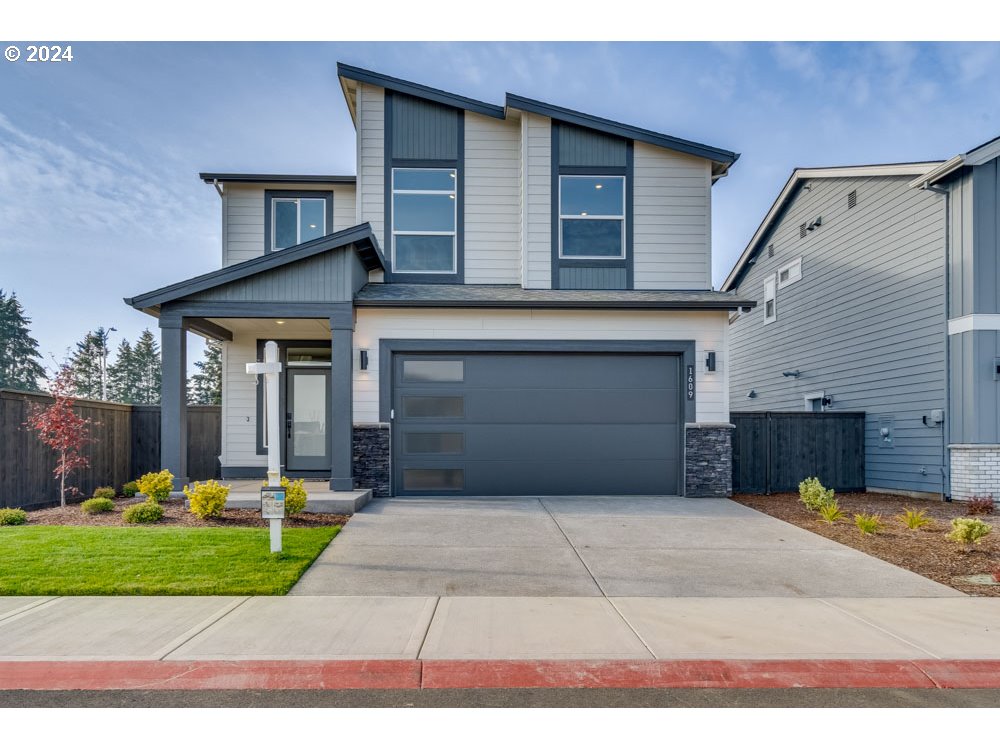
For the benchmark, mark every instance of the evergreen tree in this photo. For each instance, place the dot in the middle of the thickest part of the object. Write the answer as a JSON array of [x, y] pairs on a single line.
[[19, 365], [206, 383], [86, 362], [146, 368], [123, 380]]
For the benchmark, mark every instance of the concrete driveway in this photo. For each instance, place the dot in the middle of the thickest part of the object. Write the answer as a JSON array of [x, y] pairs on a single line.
[[593, 546]]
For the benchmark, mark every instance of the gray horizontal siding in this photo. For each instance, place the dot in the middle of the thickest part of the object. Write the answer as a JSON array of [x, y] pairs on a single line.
[[593, 278], [865, 324], [423, 129], [579, 147]]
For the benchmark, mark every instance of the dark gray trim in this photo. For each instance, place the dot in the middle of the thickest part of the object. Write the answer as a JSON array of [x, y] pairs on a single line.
[[270, 195], [209, 329], [173, 399], [341, 424], [419, 90], [260, 472], [360, 236], [620, 129], [630, 214], [593, 170], [557, 305], [555, 199], [256, 309], [389, 347], [390, 162], [325, 179]]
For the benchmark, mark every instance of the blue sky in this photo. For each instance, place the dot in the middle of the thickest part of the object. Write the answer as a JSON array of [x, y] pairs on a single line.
[[99, 195]]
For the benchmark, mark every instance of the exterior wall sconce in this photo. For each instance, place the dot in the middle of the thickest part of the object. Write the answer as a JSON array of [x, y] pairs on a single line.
[[710, 362], [363, 359], [826, 401], [752, 393], [791, 373]]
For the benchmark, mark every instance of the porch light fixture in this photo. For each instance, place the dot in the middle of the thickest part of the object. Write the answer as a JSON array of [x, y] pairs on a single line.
[[363, 359], [791, 373], [752, 393], [280, 322], [710, 362]]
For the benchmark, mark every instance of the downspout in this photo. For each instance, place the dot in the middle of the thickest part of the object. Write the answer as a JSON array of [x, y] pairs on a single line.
[[946, 427]]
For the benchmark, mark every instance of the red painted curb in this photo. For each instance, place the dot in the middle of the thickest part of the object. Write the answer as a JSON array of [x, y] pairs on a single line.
[[412, 674], [675, 674], [210, 675]]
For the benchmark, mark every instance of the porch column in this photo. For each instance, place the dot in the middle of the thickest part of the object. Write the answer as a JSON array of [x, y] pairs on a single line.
[[173, 398], [341, 397]]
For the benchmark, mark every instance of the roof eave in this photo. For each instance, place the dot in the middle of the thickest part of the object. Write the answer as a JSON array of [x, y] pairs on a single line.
[[727, 305], [324, 179], [939, 172]]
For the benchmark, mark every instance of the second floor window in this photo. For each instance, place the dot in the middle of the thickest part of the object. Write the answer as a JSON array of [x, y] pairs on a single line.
[[297, 220], [591, 217], [424, 217]]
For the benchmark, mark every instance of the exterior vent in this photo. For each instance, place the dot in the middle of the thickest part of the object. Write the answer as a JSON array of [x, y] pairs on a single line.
[[770, 251], [852, 199], [802, 231]]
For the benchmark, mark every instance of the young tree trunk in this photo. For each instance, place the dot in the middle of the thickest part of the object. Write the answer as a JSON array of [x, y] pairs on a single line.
[[62, 480]]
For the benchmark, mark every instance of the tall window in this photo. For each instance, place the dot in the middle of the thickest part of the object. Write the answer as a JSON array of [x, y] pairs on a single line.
[[424, 217], [296, 220], [770, 303], [591, 217]]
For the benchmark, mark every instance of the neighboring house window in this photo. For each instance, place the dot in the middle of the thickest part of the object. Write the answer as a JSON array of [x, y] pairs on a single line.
[[770, 304], [292, 217], [424, 220], [789, 274], [591, 217]]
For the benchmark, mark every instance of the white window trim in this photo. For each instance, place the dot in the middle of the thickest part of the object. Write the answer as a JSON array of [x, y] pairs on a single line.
[[578, 217], [809, 397], [298, 220], [411, 233], [794, 273], [770, 295]]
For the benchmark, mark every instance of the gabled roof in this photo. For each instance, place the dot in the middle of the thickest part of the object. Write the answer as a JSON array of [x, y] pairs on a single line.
[[325, 179], [799, 176], [361, 237], [720, 156], [981, 154]]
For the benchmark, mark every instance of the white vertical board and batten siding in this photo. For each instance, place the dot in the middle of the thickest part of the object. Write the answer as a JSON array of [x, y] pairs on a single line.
[[243, 216], [865, 324], [371, 159], [239, 404], [492, 200], [536, 198], [671, 219], [706, 329]]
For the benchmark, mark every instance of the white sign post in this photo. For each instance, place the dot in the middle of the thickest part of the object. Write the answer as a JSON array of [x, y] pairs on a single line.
[[272, 496]]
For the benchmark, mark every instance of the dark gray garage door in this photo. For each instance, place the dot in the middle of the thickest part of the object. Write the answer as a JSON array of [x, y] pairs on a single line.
[[526, 424]]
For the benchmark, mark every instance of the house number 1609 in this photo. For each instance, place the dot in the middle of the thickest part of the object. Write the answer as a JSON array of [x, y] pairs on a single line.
[[690, 382]]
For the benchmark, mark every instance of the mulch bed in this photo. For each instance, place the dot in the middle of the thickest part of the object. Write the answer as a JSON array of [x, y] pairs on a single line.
[[926, 551], [175, 514]]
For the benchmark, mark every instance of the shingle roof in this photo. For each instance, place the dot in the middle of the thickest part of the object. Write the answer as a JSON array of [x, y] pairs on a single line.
[[468, 295]]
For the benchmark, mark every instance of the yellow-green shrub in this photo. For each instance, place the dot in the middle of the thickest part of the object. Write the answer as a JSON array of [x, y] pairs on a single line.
[[914, 519], [832, 513], [147, 512], [295, 495], [814, 495], [868, 523], [968, 530], [156, 485], [105, 492], [97, 505], [129, 489], [207, 499], [13, 517]]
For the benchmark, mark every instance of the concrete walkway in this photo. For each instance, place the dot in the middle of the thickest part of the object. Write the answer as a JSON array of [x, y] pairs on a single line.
[[594, 546]]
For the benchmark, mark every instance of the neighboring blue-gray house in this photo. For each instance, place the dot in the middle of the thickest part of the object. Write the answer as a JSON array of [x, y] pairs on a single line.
[[877, 292], [505, 300]]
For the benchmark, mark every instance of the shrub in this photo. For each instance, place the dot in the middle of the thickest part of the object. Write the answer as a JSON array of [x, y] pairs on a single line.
[[295, 495], [814, 495], [832, 513], [130, 489], [156, 485], [207, 499], [13, 517], [105, 492], [97, 505], [968, 530], [914, 519], [868, 523], [147, 512], [996, 574], [980, 505]]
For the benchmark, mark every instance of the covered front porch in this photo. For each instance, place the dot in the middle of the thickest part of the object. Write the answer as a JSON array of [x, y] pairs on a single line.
[[301, 298]]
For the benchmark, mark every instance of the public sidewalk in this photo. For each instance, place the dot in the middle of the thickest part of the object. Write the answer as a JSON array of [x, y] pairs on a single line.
[[330, 642]]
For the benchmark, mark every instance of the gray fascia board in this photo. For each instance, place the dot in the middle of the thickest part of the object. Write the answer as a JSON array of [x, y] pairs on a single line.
[[210, 177], [735, 304], [622, 130], [361, 234], [420, 91]]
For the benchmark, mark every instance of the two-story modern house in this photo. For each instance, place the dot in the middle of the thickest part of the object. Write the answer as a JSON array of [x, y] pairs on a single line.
[[877, 291], [505, 300]]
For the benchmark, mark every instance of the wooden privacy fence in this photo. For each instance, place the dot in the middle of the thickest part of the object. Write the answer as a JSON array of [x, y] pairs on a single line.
[[773, 451], [126, 445]]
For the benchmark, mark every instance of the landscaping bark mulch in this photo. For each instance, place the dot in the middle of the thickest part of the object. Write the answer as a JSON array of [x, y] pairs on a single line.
[[175, 514], [926, 551]]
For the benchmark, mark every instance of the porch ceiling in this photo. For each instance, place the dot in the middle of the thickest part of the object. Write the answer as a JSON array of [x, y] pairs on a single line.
[[291, 328]]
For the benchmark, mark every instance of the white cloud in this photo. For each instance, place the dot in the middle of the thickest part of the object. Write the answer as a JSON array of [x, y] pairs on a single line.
[[798, 58]]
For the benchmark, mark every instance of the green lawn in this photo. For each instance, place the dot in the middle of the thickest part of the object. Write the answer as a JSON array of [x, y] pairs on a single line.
[[79, 560]]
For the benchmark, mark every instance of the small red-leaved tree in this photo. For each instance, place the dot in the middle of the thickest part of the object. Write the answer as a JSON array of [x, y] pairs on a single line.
[[62, 429]]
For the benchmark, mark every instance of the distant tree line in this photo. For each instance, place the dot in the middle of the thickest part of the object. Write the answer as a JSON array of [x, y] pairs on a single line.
[[132, 376]]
